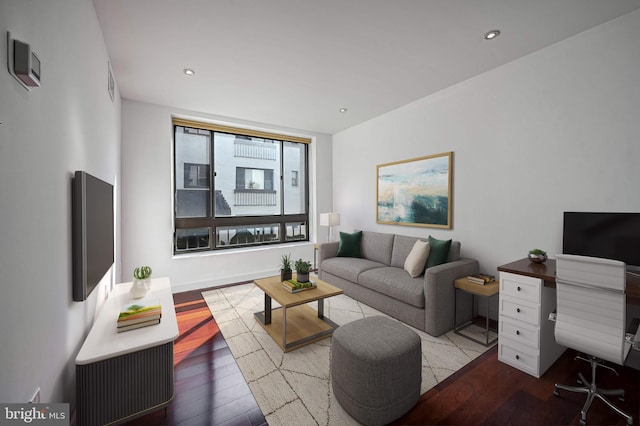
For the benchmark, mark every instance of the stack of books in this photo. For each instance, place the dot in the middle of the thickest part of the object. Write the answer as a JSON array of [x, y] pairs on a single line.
[[293, 286], [481, 279], [139, 314]]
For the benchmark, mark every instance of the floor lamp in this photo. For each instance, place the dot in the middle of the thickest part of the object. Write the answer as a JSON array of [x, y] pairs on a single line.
[[329, 220]]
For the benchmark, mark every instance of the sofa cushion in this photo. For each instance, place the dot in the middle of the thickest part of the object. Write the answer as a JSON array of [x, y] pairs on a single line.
[[417, 259], [402, 246], [396, 283], [349, 268], [439, 251], [454, 251], [377, 246], [350, 244]]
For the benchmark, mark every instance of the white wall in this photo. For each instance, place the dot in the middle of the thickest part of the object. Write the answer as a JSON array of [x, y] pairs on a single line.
[[147, 230], [557, 130], [68, 124]]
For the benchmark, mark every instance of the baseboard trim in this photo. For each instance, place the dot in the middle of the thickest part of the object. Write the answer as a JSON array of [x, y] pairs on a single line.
[[221, 281]]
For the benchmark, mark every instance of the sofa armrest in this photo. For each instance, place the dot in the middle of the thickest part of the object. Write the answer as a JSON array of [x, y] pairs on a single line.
[[326, 251], [439, 293], [456, 269]]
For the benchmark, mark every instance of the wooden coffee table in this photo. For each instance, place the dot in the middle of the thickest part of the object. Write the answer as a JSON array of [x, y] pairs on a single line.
[[295, 324]]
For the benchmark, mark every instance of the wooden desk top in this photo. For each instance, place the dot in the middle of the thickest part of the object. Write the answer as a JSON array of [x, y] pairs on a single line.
[[547, 272]]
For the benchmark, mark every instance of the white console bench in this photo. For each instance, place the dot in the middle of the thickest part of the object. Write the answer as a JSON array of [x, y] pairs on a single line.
[[120, 376]]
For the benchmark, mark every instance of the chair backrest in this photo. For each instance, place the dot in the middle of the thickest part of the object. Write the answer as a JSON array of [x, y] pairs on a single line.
[[591, 306]]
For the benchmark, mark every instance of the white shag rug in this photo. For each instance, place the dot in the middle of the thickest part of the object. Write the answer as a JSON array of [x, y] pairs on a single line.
[[294, 388]]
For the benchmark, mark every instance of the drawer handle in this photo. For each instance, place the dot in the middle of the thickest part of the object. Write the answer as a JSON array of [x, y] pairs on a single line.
[[518, 310], [519, 289], [517, 332], [517, 357]]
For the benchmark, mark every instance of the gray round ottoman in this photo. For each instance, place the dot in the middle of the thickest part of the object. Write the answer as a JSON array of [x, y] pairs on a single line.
[[376, 369]]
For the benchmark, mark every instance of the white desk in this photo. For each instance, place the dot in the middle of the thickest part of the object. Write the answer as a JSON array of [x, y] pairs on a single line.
[[120, 376]]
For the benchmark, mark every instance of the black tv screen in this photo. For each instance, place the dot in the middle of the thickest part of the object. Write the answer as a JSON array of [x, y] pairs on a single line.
[[607, 235], [93, 239]]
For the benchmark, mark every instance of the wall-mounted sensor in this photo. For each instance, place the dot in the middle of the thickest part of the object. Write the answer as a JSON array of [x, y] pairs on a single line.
[[23, 63]]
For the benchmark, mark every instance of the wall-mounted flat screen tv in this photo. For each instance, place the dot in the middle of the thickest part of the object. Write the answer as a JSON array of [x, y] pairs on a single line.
[[93, 239], [607, 235]]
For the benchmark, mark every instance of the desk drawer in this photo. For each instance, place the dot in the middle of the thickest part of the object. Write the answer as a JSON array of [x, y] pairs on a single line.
[[520, 287], [520, 310], [521, 357], [519, 332]]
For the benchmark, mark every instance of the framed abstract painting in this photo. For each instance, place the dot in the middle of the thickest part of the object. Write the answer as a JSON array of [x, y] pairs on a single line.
[[416, 192]]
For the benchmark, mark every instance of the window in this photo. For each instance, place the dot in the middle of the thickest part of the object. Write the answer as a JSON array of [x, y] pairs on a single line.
[[196, 175], [247, 178], [230, 189]]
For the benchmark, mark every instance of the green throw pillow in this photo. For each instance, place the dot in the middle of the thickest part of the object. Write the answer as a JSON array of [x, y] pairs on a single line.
[[349, 245], [439, 251]]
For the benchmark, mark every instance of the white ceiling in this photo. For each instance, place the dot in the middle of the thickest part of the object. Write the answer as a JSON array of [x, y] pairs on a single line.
[[295, 63]]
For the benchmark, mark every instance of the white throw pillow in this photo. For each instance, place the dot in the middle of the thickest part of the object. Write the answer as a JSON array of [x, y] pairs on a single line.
[[417, 258]]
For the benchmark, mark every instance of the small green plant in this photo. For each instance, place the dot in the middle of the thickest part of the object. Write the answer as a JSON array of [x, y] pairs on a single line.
[[538, 252], [285, 263], [142, 272], [302, 266]]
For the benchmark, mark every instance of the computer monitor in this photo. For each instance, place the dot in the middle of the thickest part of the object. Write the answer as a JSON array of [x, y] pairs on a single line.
[[606, 235]]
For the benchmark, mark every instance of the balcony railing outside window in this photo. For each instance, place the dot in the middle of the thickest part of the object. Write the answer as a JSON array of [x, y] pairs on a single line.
[[249, 149], [255, 197]]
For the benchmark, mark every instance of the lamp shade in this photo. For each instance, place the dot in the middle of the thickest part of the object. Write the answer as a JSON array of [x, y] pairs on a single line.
[[329, 219]]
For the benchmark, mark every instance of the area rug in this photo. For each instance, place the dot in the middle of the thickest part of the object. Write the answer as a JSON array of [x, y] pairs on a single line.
[[294, 388]]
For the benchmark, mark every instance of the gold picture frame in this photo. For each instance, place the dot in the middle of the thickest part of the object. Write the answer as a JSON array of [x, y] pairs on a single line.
[[416, 192]]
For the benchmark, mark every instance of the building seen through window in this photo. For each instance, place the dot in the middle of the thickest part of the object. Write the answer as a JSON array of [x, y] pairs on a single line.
[[231, 190]]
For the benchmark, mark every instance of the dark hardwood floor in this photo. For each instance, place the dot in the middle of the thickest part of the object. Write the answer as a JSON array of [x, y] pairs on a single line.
[[210, 389], [488, 392]]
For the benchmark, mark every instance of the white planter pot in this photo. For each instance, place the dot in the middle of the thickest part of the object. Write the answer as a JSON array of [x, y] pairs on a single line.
[[139, 288]]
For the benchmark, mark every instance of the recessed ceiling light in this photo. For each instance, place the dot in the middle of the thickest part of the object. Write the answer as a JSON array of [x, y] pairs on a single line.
[[189, 71], [343, 110], [492, 34]]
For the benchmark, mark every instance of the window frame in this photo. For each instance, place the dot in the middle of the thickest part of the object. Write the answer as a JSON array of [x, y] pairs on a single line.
[[211, 221]]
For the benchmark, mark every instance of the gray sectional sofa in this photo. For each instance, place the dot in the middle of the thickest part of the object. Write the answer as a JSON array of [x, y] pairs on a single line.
[[378, 279]]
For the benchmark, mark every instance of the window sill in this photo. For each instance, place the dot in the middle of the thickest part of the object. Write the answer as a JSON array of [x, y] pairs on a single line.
[[241, 250]]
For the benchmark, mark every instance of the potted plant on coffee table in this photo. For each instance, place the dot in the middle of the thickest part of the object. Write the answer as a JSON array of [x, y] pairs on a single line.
[[302, 270], [286, 273]]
